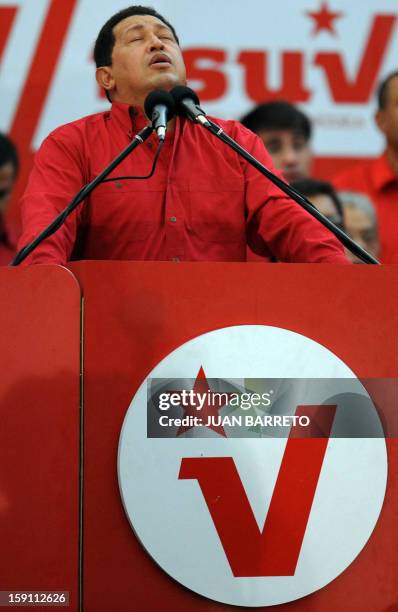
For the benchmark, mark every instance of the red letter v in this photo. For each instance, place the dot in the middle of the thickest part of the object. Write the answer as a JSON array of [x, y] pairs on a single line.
[[275, 550]]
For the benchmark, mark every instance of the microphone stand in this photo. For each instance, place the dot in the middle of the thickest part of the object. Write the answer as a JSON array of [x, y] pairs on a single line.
[[286, 188], [81, 195]]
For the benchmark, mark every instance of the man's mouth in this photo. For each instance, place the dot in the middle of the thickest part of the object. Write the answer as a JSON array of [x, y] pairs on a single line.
[[160, 58]]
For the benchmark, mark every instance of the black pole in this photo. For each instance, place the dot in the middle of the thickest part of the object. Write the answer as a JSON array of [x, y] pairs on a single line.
[[289, 190], [81, 195]]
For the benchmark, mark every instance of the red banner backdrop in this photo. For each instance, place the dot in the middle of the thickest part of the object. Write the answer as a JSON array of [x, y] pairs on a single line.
[[327, 57]]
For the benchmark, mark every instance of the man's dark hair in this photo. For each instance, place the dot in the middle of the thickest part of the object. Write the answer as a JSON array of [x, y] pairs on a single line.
[[382, 91], [312, 187], [277, 115], [106, 40], [8, 152]]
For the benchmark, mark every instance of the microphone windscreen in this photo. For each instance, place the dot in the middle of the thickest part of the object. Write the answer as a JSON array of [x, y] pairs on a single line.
[[158, 96], [181, 92]]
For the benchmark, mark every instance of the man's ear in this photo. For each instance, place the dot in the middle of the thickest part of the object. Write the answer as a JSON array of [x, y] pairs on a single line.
[[380, 119], [105, 78]]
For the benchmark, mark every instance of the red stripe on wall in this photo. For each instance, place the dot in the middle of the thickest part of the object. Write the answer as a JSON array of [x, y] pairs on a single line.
[[7, 16], [37, 85], [41, 71]]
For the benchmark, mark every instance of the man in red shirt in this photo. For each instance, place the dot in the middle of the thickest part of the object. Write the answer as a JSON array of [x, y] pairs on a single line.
[[378, 178], [203, 203], [9, 164]]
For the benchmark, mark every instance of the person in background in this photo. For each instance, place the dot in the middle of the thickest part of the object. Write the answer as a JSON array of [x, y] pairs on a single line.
[[324, 197], [378, 178], [360, 222], [286, 133], [9, 165]]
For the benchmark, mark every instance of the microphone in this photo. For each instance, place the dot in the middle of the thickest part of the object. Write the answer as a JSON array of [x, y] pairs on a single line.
[[160, 108], [187, 103]]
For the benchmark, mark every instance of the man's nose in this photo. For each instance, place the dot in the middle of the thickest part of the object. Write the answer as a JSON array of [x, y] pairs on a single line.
[[289, 156], [156, 43]]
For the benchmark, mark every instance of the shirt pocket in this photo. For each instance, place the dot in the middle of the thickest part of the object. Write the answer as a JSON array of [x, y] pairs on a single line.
[[217, 208], [134, 212]]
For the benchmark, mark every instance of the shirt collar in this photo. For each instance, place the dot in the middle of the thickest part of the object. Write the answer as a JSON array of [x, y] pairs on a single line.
[[132, 119], [382, 173]]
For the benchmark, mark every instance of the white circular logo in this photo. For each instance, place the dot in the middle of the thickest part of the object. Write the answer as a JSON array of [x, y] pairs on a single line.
[[252, 521]]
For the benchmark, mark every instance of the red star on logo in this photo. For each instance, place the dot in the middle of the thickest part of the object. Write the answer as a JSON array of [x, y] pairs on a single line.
[[202, 386], [323, 19]]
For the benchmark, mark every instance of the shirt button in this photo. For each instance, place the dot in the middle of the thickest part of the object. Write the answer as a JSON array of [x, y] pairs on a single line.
[[173, 219]]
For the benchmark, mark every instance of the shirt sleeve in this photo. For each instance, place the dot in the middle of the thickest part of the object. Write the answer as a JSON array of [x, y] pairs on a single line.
[[276, 225], [57, 175]]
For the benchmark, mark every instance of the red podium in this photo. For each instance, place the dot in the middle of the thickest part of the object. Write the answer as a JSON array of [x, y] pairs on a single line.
[[63, 525]]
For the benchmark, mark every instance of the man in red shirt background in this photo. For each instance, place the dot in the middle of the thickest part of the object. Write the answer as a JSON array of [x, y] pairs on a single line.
[[203, 203], [9, 165], [378, 178]]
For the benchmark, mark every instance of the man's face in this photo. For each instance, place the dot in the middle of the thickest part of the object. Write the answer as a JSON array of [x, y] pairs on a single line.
[[326, 205], [387, 118], [7, 178], [361, 229], [145, 57], [290, 152]]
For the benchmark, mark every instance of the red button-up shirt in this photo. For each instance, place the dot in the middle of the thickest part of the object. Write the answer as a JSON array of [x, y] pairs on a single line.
[[376, 179], [202, 204]]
